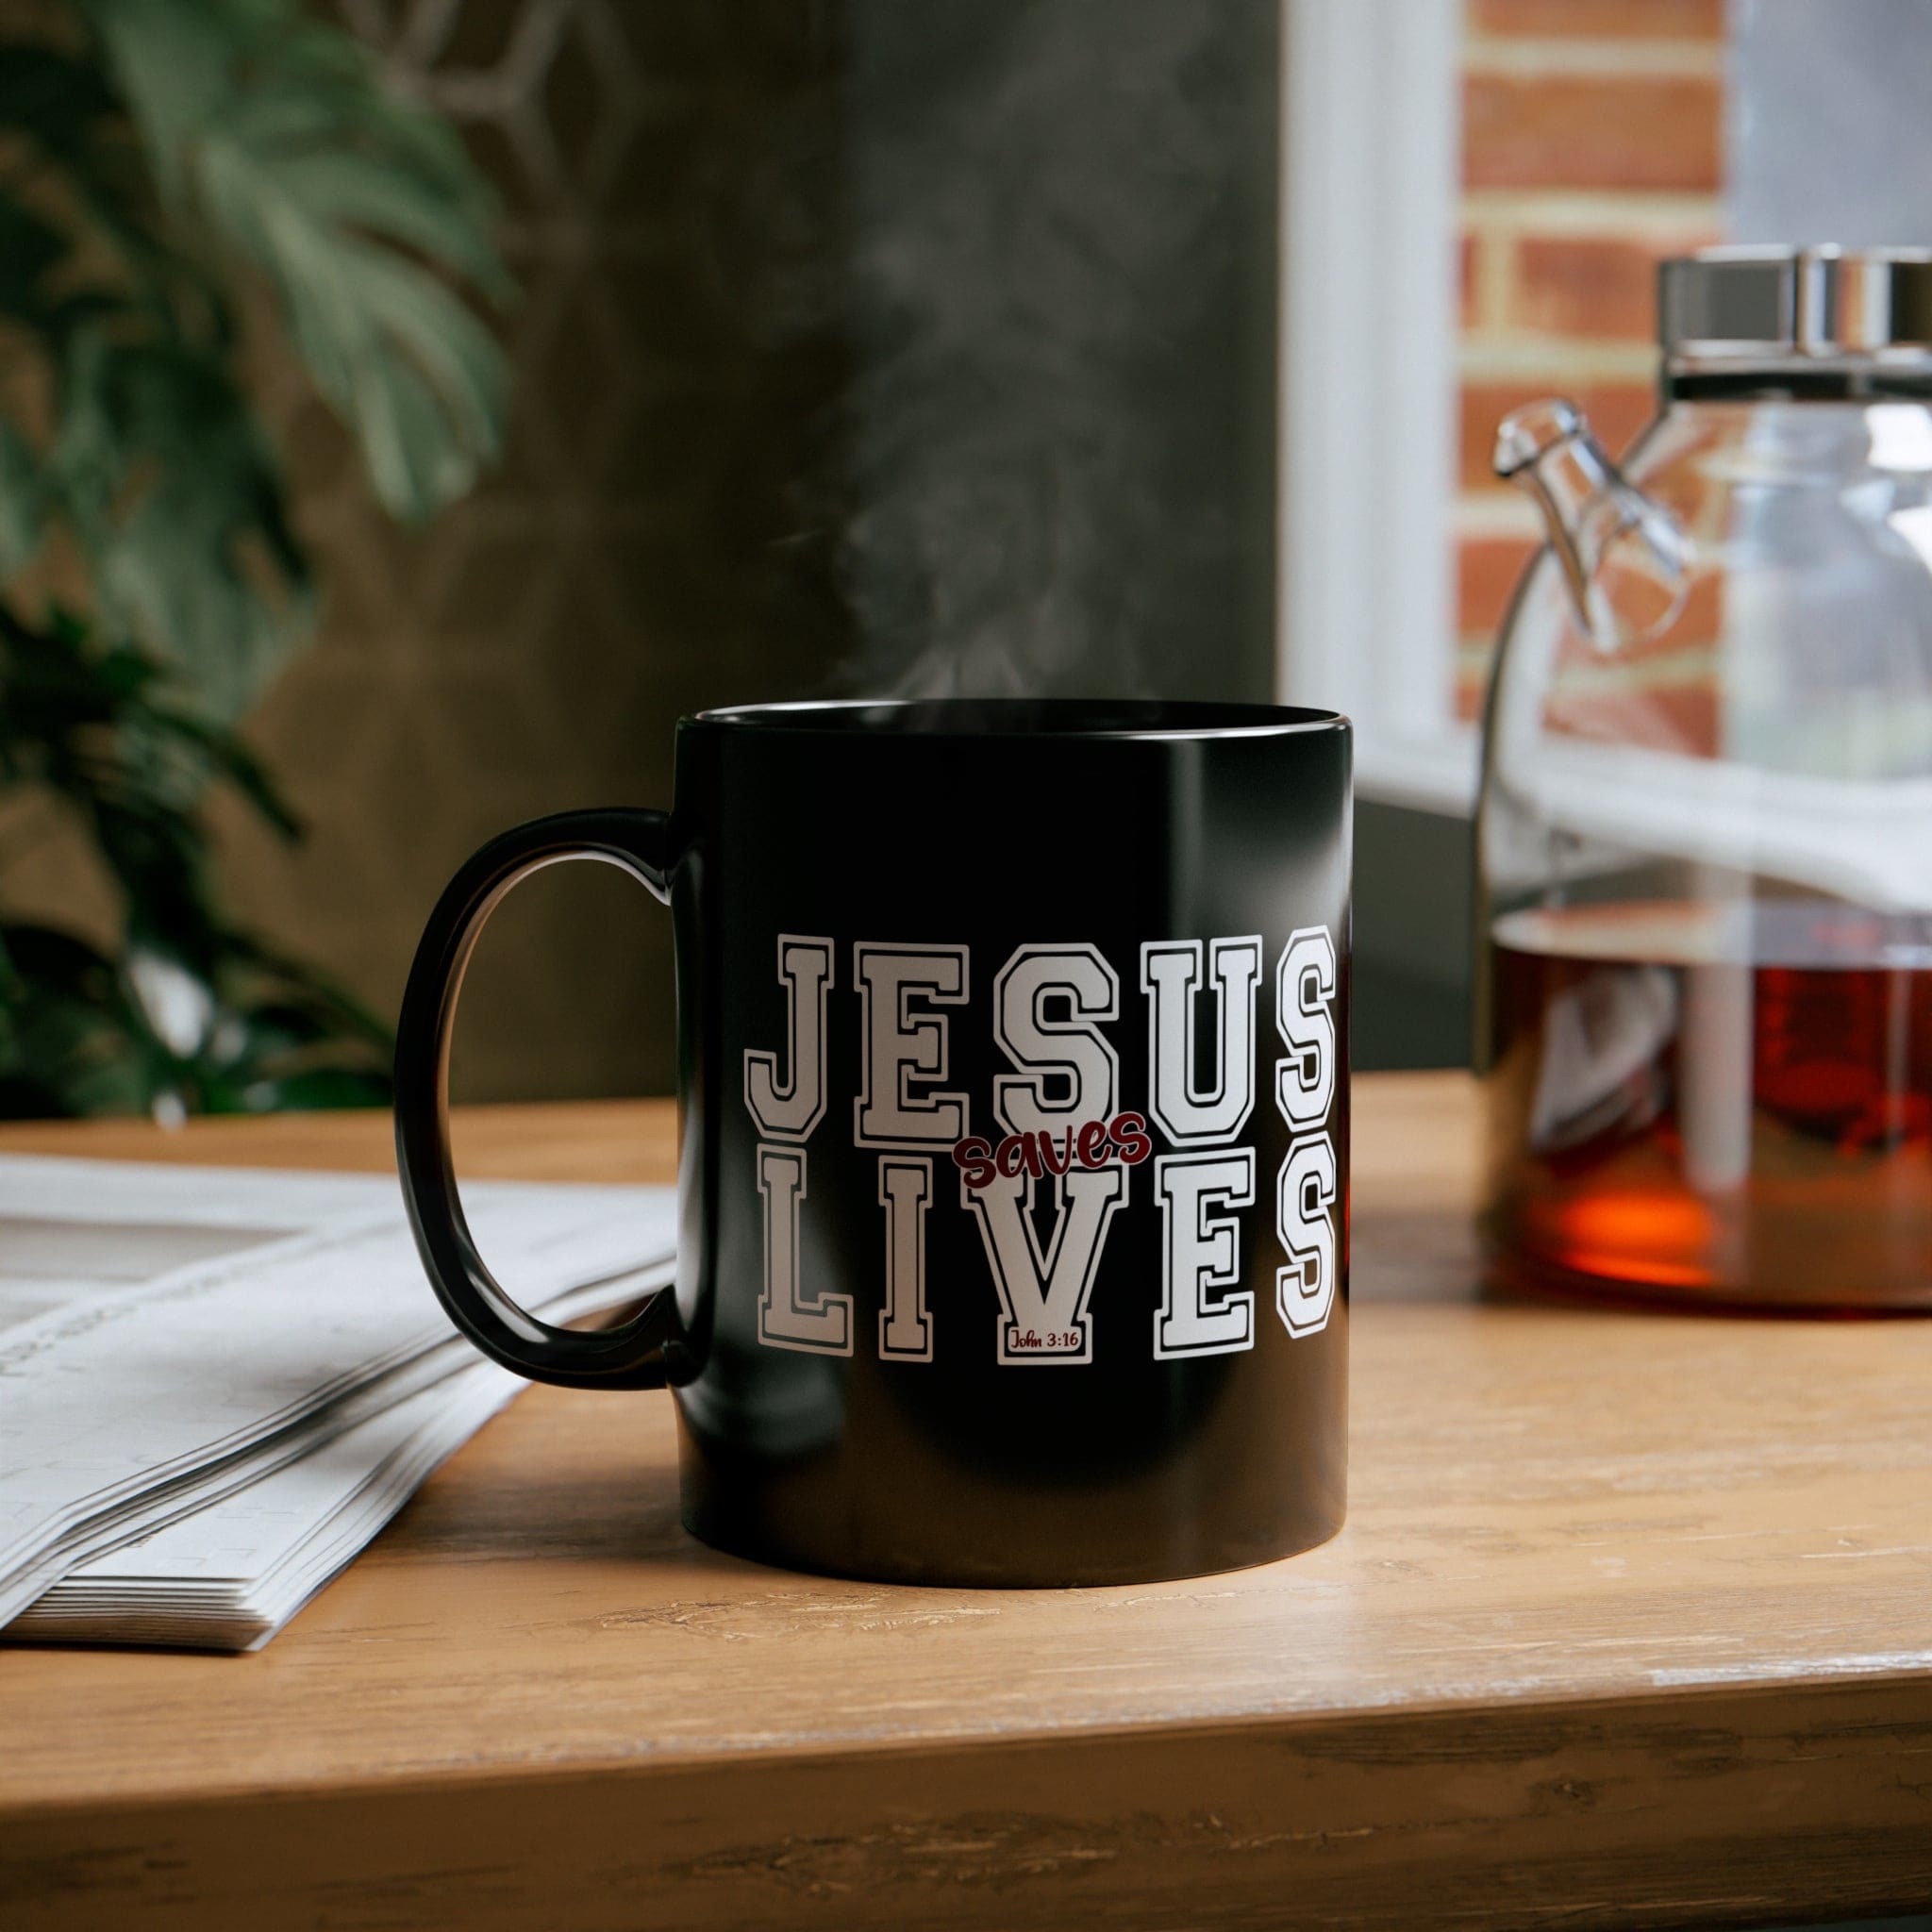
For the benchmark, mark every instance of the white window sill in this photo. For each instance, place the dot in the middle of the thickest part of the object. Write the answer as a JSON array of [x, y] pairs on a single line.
[[1434, 773]]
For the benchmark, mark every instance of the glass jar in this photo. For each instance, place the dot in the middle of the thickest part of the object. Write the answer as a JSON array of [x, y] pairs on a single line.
[[1705, 833]]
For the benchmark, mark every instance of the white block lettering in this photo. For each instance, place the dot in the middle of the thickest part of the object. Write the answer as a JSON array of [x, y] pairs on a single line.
[[790, 1112], [904, 1193], [1043, 1296], [902, 1050], [1170, 976], [1200, 1253], [786, 1319], [1305, 1219], [1304, 985], [1069, 1072]]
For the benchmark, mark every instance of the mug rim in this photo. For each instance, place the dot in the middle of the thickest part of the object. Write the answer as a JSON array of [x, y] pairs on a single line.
[[1023, 718]]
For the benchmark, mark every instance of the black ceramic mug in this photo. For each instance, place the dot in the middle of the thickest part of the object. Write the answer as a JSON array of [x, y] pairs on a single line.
[[1013, 1081]]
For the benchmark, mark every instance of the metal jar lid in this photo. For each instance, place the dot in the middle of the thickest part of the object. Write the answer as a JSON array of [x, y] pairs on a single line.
[[1782, 305]]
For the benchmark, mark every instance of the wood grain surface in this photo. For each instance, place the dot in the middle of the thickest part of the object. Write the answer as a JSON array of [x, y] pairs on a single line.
[[1631, 1625]]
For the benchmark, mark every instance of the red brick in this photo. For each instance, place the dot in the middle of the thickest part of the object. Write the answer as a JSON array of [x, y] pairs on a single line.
[[1471, 688], [1465, 280], [1682, 649], [1591, 132], [1659, 20], [1681, 718], [1700, 623], [1600, 286], [1617, 410], [1487, 570]]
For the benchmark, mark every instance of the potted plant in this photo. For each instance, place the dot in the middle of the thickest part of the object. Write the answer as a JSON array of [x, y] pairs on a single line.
[[162, 164]]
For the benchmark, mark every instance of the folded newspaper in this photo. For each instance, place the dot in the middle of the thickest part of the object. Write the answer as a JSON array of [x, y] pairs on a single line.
[[216, 1385]]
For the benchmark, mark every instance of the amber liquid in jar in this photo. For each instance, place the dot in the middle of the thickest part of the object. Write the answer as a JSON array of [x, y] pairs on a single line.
[[1725, 1104]]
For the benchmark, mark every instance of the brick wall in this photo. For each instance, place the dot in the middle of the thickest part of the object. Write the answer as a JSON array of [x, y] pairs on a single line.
[[1593, 144]]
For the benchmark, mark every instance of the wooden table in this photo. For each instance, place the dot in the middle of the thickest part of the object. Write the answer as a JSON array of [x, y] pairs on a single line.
[[1631, 1625]]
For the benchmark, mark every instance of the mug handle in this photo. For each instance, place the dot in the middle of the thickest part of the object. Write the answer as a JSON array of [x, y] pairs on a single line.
[[628, 1356]]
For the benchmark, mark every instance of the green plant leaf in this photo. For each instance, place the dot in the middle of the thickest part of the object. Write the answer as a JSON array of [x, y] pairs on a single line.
[[52, 96], [29, 247], [329, 1005], [230, 758], [316, 1087], [68, 1048], [413, 372], [179, 506], [21, 504], [149, 158], [440, 218], [171, 61], [356, 203]]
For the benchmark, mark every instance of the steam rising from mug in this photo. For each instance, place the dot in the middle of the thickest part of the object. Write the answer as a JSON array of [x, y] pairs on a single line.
[[1059, 435]]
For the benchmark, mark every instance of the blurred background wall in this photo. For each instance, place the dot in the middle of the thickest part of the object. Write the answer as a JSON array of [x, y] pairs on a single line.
[[1600, 136], [861, 347], [1828, 136], [667, 176], [865, 347], [1592, 147]]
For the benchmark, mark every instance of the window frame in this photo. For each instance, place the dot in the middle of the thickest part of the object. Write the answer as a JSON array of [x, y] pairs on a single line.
[[1371, 189]]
